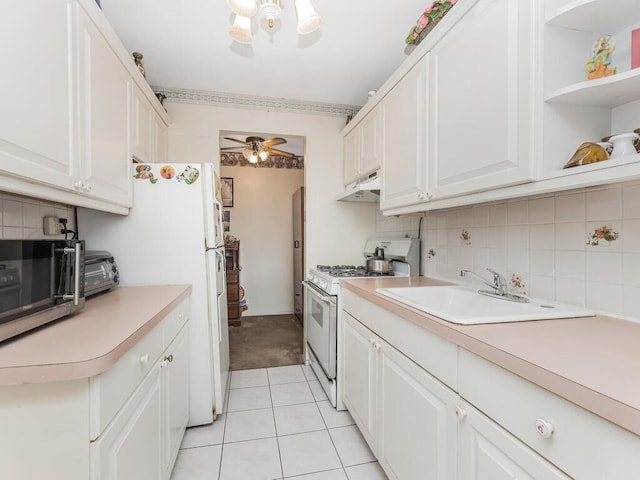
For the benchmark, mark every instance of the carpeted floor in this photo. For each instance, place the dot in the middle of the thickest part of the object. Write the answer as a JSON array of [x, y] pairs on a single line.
[[266, 341]]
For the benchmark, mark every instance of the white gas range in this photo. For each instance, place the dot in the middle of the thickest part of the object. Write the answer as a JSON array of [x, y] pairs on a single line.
[[322, 304]]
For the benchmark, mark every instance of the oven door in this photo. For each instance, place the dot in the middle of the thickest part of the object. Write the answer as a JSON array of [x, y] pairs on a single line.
[[320, 315]]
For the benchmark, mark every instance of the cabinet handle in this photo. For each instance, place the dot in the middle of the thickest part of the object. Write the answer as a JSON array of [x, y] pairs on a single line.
[[144, 358], [372, 341], [87, 187], [461, 413], [544, 428], [169, 358], [78, 185], [378, 345]]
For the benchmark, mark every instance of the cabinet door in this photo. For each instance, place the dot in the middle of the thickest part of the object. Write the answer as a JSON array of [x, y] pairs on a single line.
[[175, 384], [130, 448], [417, 433], [404, 159], [371, 146], [141, 118], [105, 88], [481, 100], [487, 452], [359, 368], [352, 149], [37, 118]]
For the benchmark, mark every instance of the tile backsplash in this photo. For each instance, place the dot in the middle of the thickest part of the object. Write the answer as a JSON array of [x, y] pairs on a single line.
[[22, 217], [580, 247]]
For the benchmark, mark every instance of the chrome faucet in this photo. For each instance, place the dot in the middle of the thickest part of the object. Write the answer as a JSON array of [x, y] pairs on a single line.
[[498, 287]]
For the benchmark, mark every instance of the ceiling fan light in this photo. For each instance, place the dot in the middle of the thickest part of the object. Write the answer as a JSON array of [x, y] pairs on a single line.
[[240, 31], [246, 153], [253, 158], [270, 10], [244, 8], [308, 18], [263, 155]]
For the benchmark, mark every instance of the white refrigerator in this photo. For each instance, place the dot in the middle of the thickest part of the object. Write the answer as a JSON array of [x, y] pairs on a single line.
[[173, 235]]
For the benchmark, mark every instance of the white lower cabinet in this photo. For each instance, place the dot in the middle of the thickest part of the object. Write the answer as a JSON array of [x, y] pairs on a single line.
[[481, 422], [124, 424], [405, 414], [488, 452]]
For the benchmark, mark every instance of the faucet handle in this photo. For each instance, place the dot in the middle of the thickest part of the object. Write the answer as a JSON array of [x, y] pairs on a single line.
[[499, 281]]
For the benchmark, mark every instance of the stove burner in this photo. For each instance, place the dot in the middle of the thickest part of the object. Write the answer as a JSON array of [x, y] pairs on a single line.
[[350, 271]]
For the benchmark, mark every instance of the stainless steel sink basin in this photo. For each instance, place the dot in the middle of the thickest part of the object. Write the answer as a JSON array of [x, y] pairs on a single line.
[[464, 305]]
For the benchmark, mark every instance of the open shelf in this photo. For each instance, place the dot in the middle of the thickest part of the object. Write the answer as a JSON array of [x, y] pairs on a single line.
[[597, 16], [607, 92], [617, 162]]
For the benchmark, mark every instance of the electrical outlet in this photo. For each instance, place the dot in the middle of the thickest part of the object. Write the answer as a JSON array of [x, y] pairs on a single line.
[[52, 225]]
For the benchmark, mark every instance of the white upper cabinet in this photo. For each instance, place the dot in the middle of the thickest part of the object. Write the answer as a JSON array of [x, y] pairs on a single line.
[[481, 100], [141, 121], [105, 89], [362, 148], [37, 118], [404, 126]]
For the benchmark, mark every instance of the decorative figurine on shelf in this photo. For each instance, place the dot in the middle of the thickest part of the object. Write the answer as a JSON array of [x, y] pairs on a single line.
[[588, 152], [598, 64], [428, 20], [137, 57]]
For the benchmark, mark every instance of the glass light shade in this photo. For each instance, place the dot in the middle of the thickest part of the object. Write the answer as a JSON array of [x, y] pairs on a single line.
[[246, 152], [263, 155], [253, 158], [244, 8], [240, 31], [271, 10], [308, 19]]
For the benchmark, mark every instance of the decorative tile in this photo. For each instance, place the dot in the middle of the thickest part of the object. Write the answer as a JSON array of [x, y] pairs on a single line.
[[517, 285], [602, 236], [465, 237]]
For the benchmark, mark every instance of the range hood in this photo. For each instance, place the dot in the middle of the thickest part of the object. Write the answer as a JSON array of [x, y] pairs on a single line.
[[365, 191]]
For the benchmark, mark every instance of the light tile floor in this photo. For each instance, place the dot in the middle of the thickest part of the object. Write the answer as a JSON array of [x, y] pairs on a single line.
[[278, 425]]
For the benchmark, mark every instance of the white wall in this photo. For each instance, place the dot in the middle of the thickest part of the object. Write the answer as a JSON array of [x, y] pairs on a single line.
[[262, 219], [544, 241], [335, 231]]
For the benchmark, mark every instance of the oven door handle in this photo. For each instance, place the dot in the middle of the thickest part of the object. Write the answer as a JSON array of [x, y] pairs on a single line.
[[317, 292]]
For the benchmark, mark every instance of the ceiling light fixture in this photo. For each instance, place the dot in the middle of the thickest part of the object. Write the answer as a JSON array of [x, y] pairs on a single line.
[[270, 11]]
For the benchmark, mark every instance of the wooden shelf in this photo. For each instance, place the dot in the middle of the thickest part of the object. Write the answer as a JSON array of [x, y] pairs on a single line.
[[606, 92], [597, 16]]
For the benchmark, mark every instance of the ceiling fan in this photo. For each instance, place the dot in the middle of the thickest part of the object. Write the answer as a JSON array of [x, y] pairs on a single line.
[[257, 148]]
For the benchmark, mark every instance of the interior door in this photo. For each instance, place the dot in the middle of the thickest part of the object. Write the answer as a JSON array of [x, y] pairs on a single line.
[[298, 251]]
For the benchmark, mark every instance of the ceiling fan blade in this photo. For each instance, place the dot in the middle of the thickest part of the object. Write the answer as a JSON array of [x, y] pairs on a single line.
[[231, 148], [280, 152], [236, 140], [274, 141]]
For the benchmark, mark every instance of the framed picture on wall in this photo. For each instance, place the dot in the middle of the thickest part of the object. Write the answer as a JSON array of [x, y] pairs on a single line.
[[226, 220], [227, 191]]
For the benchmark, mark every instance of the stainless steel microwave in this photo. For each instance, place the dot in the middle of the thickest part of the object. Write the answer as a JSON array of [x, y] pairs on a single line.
[[40, 281]]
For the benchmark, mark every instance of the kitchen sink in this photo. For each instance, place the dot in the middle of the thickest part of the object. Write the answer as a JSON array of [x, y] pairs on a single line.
[[464, 305]]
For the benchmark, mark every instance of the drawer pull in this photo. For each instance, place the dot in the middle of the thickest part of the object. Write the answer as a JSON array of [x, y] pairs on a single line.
[[461, 413], [544, 428], [144, 358], [169, 358]]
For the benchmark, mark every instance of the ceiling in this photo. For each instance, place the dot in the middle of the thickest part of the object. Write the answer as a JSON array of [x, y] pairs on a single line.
[[186, 46]]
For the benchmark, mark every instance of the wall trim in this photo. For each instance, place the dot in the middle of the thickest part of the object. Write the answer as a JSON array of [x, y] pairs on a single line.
[[203, 97]]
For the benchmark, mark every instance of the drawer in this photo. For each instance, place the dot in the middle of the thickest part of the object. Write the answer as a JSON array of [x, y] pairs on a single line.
[[110, 390], [173, 322], [232, 276], [584, 445]]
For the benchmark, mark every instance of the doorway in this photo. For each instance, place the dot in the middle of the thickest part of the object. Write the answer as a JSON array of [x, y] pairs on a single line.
[[263, 172]]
